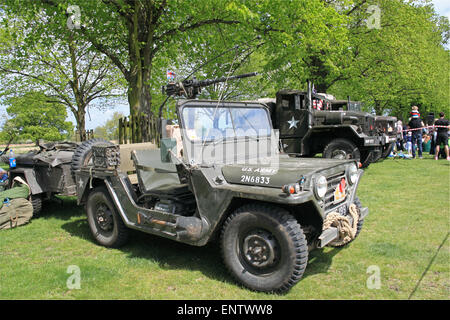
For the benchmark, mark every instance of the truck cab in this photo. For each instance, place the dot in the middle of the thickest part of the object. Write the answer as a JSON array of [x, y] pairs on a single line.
[[316, 123]]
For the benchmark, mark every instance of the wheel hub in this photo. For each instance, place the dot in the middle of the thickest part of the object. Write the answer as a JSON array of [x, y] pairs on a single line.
[[339, 154], [259, 249], [104, 218]]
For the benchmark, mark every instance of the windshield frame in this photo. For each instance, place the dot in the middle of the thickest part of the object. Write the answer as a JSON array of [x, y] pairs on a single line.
[[226, 105]]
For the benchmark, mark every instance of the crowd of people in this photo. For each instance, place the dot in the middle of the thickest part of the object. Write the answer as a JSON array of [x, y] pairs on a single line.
[[415, 135]]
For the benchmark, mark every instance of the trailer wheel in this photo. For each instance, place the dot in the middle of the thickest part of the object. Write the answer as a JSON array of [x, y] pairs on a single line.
[[264, 248], [341, 149], [83, 154], [36, 201], [105, 223]]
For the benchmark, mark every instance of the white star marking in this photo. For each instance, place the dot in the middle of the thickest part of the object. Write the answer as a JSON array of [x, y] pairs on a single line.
[[293, 123]]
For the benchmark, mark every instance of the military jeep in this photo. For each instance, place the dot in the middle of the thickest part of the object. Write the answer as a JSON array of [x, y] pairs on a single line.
[[219, 175]]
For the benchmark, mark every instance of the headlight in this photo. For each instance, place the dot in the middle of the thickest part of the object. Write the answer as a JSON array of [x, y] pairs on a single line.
[[321, 186], [352, 174]]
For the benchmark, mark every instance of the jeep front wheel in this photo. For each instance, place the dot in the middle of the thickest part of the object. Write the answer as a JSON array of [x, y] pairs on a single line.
[[264, 248], [341, 149], [105, 223]]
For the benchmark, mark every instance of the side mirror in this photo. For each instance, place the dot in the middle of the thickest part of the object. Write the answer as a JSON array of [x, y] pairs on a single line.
[[168, 146]]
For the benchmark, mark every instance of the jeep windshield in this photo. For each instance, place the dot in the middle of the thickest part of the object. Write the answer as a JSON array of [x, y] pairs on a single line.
[[208, 124], [226, 132]]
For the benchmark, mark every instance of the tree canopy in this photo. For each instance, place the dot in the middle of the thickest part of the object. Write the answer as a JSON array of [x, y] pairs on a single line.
[[387, 53], [32, 117]]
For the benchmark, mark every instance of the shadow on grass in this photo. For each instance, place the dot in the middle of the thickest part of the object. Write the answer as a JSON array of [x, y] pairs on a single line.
[[320, 261], [62, 208], [168, 254], [172, 255]]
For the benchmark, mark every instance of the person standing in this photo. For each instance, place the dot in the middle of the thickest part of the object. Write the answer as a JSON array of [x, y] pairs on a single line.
[[442, 135], [416, 124], [400, 137]]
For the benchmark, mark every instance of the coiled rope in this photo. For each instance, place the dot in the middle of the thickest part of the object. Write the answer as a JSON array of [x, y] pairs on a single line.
[[347, 231]]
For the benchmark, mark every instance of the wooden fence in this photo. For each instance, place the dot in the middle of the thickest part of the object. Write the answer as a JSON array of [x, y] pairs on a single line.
[[89, 135], [141, 128]]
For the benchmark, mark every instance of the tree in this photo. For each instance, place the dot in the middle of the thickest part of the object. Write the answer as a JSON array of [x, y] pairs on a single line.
[[32, 117], [43, 57], [395, 57]]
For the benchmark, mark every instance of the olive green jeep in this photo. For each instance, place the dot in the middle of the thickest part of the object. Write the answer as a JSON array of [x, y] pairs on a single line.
[[219, 175]]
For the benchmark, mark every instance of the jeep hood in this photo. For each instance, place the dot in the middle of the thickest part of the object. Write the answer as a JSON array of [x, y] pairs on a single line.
[[277, 174]]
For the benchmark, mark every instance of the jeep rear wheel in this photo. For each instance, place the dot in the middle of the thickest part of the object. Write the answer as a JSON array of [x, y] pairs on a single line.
[[264, 248], [104, 222], [341, 149]]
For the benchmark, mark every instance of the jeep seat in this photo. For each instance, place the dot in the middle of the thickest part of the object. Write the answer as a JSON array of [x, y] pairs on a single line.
[[154, 176]]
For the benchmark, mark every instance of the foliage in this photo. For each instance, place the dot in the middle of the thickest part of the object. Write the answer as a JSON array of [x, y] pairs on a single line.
[[32, 117], [399, 63], [387, 53], [41, 55]]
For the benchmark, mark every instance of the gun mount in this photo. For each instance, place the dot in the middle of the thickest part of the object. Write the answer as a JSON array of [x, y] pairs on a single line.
[[191, 88]]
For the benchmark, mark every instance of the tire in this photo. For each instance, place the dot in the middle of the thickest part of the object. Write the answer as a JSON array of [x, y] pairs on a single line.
[[387, 150], [104, 222], [366, 158], [83, 153], [264, 248], [36, 201], [341, 149]]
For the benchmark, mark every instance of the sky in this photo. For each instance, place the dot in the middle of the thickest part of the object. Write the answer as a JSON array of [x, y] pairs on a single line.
[[442, 7], [97, 117]]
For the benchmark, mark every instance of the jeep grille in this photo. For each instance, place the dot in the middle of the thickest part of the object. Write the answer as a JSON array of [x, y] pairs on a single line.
[[333, 182]]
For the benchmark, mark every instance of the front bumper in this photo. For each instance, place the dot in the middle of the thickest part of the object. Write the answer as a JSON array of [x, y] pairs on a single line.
[[332, 233]]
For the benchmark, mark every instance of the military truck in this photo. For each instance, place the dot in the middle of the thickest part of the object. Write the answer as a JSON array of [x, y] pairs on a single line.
[[312, 123], [225, 179], [386, 126]]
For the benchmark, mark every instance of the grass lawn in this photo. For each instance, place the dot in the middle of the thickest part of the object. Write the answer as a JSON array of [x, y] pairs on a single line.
[[404, 240]]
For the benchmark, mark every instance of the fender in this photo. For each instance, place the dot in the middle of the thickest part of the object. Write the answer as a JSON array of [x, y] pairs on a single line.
[[30, 178]]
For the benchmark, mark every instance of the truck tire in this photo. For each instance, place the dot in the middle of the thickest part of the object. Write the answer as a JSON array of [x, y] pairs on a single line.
[[83, 153], [104, 222], [264, 248], [387, 149], [341, 149], [366, 158]]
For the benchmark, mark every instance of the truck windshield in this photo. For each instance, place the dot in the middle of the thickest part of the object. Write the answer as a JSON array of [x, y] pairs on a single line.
[[217, 123], [354, 106]]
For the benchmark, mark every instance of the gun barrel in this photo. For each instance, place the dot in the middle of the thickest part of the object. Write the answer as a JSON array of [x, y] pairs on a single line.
[[208, 82]]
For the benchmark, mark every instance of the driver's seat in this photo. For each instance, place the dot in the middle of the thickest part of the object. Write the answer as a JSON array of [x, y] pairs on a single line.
[[155, 176]]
